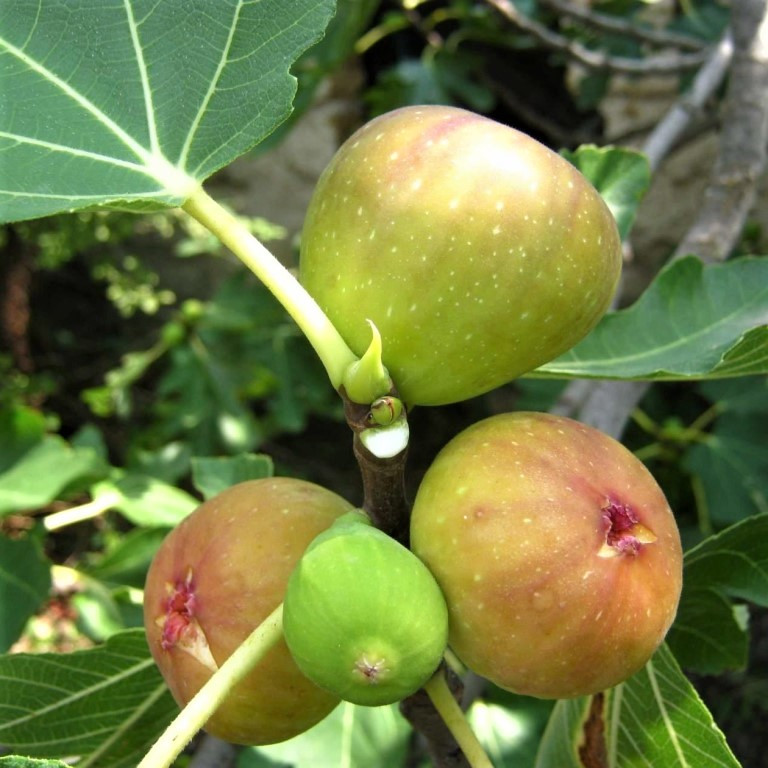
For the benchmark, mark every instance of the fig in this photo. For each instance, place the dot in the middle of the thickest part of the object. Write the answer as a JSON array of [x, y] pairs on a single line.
[[558, 555], [477, 252], [215, 578], [363, 617]]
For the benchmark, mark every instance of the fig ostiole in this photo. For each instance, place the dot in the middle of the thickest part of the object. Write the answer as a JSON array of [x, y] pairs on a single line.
[[216, 577], [477, 252], [556, 550], [363, 617]]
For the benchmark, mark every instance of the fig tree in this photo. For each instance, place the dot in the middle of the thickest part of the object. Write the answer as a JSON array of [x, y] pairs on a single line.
[[557, 553], [215, 578], [477, 252], [363, 617]]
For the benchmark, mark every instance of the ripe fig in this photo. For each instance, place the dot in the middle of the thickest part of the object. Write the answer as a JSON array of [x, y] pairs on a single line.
[[215, 578], [477, 253], [557, 553], [363, 617]]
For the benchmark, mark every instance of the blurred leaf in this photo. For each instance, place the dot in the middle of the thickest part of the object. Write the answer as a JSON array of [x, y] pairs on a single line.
[[145, 500], [22, 428], [509, 734], [135, 124], [374, 737], [169, 463], [734, 561], [15, 761], [732, 466], [563, 734], [621, 176], [127, 560], [98, 616], [43, 471], [107, 705], [706, 636], [694, 321], [25, 580], [748, 394], [215, 474], [410, 81], [654, 718]]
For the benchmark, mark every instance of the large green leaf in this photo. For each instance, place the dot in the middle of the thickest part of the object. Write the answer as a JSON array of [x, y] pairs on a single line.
[[107, 705], [374, 737], [136, 101], [25, 578], [656, 718], [694, 321]]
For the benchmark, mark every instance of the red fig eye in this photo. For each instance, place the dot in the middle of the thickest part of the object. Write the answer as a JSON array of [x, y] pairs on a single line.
[[624, 534]]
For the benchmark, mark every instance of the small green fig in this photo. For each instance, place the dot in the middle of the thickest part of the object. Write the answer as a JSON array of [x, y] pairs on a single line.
[[477, 252], [556, 551], [215, 578], [363, 617]]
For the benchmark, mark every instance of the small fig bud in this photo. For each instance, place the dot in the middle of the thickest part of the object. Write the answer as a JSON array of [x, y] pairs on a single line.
[[385, 410], [363, 617]]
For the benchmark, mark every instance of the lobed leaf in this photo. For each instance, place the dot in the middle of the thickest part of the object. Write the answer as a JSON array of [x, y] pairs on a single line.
[[149, 98], [694, 321], [106, 705]]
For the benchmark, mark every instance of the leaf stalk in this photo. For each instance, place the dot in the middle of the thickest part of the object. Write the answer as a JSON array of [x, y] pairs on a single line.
[[333, 351]]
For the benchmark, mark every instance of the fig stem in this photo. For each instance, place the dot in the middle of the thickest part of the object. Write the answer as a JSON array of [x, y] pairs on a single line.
[[205, 702], [440, 694], [331, 348]]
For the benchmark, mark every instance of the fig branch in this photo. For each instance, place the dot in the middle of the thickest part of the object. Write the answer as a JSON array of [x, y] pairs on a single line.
[[443, 727]]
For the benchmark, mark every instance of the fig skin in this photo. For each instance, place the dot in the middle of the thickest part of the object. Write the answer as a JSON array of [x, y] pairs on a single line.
[[363, 616], [477, 252], [557, 553], [227, 566]]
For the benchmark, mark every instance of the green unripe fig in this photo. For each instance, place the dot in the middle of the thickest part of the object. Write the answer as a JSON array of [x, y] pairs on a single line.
[[477, 252], [215, 578], [556, 551], [363, 617]]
